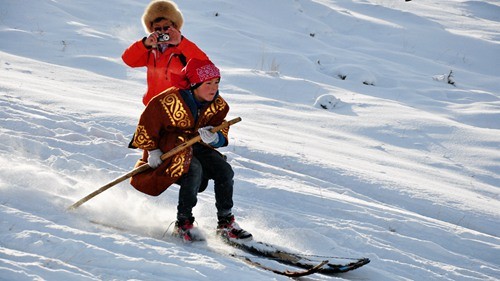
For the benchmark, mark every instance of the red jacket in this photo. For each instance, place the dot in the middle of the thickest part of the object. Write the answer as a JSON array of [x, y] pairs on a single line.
[[162, 68]]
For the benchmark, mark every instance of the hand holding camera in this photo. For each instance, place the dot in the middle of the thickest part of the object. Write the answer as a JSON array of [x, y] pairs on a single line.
[[163, 35]]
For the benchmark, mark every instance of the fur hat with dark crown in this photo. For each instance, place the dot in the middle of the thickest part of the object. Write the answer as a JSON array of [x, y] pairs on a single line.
[[161, 8]]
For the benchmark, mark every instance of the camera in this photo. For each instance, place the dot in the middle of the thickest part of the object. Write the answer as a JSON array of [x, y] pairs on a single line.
[[163, 37]]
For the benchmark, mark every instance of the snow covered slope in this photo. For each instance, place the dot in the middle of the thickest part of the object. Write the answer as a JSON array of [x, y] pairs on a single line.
[[370, 128]]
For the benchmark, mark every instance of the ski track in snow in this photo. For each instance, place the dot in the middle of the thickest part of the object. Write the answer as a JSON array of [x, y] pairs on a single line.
[[403, 169]]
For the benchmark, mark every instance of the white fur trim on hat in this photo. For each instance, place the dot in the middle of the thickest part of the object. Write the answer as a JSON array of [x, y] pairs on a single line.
[[161, 8]]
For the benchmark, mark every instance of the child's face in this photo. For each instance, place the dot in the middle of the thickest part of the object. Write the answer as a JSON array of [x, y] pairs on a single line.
[[207, 90]]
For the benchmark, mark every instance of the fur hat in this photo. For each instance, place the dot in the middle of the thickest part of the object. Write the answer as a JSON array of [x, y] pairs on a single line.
[[198, 71], [161, 8]]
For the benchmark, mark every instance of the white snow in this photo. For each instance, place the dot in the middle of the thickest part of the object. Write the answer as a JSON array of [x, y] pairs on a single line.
[[400, 166]]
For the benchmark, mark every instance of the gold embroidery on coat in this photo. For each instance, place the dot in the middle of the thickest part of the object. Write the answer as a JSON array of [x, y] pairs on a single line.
[[176, 168], [142, 139], [225, 132], [218, 105], [175, 111]]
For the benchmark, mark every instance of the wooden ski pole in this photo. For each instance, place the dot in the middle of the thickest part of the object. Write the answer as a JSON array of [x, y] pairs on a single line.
[[145, 167]]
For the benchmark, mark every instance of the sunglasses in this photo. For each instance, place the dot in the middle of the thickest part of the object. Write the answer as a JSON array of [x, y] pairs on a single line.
[[159, 29]]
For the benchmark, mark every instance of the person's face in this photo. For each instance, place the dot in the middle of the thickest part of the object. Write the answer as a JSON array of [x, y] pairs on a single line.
[[162, 26], [207, 90]]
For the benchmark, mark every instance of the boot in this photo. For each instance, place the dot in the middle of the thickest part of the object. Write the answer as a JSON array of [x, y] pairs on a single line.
[[185, 230], [227, 228]]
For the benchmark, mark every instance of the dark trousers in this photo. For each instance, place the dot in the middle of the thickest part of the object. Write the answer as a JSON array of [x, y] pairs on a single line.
[[209, 164]]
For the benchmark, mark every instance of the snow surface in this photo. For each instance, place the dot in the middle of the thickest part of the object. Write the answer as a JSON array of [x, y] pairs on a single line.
[[355, 139]]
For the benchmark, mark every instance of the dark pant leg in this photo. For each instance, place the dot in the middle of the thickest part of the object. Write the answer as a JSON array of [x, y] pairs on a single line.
[[189, 183], [216, 167]]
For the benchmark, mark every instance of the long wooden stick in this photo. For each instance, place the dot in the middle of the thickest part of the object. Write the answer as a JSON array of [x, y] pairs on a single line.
[[145, 167]]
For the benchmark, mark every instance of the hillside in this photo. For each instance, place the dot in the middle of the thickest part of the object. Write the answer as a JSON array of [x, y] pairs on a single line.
[[370, 129]]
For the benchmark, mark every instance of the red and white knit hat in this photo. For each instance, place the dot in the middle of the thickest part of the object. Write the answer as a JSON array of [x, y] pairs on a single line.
[[198, 71]]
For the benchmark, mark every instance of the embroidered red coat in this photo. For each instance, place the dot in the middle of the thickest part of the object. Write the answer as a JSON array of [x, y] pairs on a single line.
[[167, 122], [162, 67]]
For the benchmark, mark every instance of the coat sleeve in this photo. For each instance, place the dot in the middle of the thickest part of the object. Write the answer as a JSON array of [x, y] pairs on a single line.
[[191, 50], [214, 115], [147, 134], [136, 55]]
